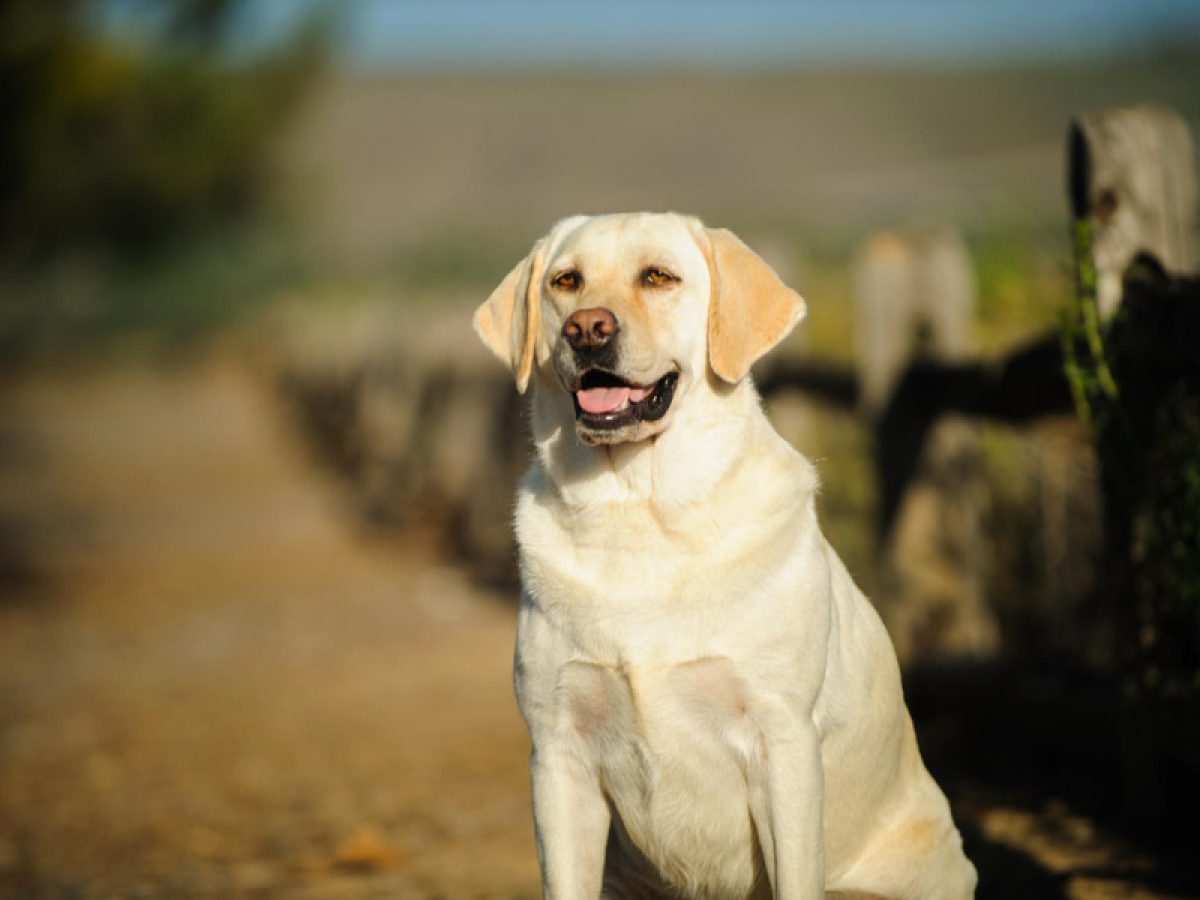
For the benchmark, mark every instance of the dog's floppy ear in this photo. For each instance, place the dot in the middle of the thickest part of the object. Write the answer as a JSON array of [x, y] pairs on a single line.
[[508, 321], [750, 311]]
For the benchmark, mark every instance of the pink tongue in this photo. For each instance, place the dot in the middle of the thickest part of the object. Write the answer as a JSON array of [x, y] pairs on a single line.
[[602, 400], [605, 400]]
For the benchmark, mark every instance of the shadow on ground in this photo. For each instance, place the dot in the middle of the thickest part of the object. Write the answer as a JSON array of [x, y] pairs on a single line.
[[1031, 759]]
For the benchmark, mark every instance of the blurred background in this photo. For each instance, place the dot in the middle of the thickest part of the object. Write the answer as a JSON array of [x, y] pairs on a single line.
[[257, 580]]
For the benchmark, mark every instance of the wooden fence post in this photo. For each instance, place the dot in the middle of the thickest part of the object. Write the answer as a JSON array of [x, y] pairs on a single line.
[[1132, 190], [914, 301], [1130, 171]]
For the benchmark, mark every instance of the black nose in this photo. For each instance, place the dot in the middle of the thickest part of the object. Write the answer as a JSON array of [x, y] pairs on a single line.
[[590, 329]]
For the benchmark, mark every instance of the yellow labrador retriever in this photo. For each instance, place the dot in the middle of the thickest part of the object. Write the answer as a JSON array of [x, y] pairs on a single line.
[[714, 706]]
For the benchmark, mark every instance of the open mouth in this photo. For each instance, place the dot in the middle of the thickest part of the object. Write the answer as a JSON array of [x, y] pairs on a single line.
[[603, 400]]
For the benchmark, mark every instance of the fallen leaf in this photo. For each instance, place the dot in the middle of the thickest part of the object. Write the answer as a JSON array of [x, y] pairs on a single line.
[[366, 850]]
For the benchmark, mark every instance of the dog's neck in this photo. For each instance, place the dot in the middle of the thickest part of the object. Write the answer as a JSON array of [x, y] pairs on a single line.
[[698, 452]]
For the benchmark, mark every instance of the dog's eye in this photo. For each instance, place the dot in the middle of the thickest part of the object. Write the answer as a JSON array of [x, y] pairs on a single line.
[[654, 277], [567, 281]]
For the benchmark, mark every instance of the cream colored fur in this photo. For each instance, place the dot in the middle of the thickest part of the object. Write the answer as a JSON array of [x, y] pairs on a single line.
[[714, 706]]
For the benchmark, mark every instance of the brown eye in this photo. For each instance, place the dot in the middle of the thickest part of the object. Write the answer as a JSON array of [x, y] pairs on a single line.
[[567, 281], [653, 277]]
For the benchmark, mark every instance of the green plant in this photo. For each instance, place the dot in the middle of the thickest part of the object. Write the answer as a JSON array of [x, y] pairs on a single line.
[[130, 146]]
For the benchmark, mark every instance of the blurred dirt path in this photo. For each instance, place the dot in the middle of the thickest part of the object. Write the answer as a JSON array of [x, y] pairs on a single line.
[[210, 686]]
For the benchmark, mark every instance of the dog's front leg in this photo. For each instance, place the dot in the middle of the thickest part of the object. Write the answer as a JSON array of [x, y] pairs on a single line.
[[786, 804], [571, 819]]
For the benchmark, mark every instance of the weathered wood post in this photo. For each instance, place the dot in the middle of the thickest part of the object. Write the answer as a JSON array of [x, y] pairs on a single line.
[[1130, 174], [914, 300], [1132, 190], [914, 297]]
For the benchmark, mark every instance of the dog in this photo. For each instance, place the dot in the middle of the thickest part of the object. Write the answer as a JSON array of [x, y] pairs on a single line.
[[715, 709]]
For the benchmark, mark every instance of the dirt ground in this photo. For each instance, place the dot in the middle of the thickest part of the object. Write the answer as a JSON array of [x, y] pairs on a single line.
[[212, 683]]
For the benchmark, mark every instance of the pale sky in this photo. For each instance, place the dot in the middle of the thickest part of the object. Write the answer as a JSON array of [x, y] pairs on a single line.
[[701, 32]]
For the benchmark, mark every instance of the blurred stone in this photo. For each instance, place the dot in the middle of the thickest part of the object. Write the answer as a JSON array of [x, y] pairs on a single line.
[[933, 597], [915, 299], [418, 418]]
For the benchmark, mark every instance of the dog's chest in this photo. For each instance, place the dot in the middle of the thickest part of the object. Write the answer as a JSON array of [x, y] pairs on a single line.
[[671, 744]]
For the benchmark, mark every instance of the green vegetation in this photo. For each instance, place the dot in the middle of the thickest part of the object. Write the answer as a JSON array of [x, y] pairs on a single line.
[[1092, 385], [131, 173], [91, 299], [1022, 276], [1144, 414]]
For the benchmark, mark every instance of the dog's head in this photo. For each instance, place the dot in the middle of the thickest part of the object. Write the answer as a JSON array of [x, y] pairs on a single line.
[[625, 314]]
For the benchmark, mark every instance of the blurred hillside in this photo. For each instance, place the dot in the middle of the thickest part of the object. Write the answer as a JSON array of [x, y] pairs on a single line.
[[177, 193], [431, 172]]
